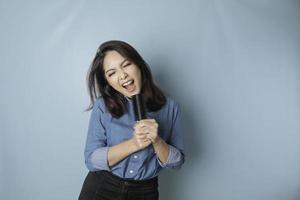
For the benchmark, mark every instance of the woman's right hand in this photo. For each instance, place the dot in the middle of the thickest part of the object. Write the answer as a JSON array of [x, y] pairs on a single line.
[[140, 137]]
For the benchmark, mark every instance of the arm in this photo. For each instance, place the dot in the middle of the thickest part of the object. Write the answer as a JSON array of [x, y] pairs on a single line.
[[98, 156], [96, 149], [168, 156], [176, 155], [120, 151], [171, 155], [148, 129], [161, 149]]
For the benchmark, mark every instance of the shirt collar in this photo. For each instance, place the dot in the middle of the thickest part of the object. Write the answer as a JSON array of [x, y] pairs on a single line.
[[128, 98]]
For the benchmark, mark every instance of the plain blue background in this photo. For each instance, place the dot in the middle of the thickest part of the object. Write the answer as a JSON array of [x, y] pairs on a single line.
[[233, 66]]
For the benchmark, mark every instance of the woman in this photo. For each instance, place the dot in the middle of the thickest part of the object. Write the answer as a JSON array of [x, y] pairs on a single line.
[[124, 156]]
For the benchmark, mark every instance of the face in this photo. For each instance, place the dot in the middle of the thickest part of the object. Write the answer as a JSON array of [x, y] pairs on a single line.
[[122, 74]]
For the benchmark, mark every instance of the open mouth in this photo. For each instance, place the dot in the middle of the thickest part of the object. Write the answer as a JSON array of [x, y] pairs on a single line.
[[129, 85]]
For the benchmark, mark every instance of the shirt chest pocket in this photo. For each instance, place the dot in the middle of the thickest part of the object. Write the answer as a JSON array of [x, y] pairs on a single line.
[[118, 132]]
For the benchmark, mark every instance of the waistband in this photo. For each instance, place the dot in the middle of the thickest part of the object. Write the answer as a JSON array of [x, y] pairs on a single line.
[[127, 181]]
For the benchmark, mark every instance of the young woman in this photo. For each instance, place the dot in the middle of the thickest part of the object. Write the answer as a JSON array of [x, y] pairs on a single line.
[[124, 156]]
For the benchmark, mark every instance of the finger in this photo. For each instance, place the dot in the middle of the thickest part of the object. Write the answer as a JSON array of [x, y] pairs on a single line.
[[147, 131], [150, 136], [137, 133], [148, 123], [142, 130], [150, 139], [148, 120], [151, 129], [146, 140], [140, 124], [141, 136], [143, 126]]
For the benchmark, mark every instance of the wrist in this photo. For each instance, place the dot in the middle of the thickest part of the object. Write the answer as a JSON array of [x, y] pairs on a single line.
[[133, 145], [157, 140]]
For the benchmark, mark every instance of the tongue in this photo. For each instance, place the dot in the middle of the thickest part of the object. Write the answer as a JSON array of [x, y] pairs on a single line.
[[129, 87]]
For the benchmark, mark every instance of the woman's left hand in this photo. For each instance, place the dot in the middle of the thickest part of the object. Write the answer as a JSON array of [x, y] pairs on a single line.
[[149, 126]]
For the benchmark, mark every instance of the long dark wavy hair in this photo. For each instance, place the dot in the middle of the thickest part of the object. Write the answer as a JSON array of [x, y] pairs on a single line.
[[115, 102]]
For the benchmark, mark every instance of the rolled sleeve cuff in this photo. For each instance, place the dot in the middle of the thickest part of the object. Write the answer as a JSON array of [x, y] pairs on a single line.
[[99, 159], [174, 157]]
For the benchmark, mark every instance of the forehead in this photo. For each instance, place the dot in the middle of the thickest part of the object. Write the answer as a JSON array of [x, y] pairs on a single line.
[[112, 59]]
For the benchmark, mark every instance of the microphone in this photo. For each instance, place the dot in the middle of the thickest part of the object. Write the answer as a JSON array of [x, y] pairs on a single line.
[[138, 107]]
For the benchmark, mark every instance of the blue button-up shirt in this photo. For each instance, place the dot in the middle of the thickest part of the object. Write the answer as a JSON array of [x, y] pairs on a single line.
[[105, 131]]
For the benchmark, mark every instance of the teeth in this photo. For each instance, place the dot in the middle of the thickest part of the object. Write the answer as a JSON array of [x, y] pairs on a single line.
[[127, 83]]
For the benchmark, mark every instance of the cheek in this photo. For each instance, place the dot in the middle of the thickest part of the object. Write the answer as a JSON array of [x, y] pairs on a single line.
[[112, 81], [138, 74]]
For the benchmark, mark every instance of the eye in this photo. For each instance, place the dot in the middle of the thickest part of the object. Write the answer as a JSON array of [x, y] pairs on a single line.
[[127, 64], [111, 74]]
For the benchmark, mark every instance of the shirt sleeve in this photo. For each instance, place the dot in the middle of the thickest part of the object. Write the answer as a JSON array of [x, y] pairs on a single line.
[[96, 148], [176, 156]]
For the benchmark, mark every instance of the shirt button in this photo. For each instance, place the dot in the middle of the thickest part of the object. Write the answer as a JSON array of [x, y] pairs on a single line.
[[131, 171], [135, 156]]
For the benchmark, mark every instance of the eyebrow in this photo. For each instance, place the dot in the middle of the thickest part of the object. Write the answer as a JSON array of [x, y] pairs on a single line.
[[115, 68]]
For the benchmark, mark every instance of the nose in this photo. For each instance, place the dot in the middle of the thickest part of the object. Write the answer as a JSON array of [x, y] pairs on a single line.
[[123, 75]]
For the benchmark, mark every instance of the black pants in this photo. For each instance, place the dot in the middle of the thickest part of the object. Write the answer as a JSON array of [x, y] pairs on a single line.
[[104, 185]]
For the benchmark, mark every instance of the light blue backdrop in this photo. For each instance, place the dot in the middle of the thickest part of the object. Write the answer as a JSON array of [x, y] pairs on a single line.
[[233, 66]]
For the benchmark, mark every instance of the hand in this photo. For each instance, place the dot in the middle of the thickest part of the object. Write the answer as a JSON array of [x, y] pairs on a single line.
[[149, 128], [140, 137]]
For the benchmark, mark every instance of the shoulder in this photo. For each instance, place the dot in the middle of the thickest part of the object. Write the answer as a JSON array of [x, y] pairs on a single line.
[[99, 104], [171, 108], [171, 103]]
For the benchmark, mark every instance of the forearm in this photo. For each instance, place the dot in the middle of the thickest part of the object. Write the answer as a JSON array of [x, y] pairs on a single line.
[[161, 149], [120, 151]]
